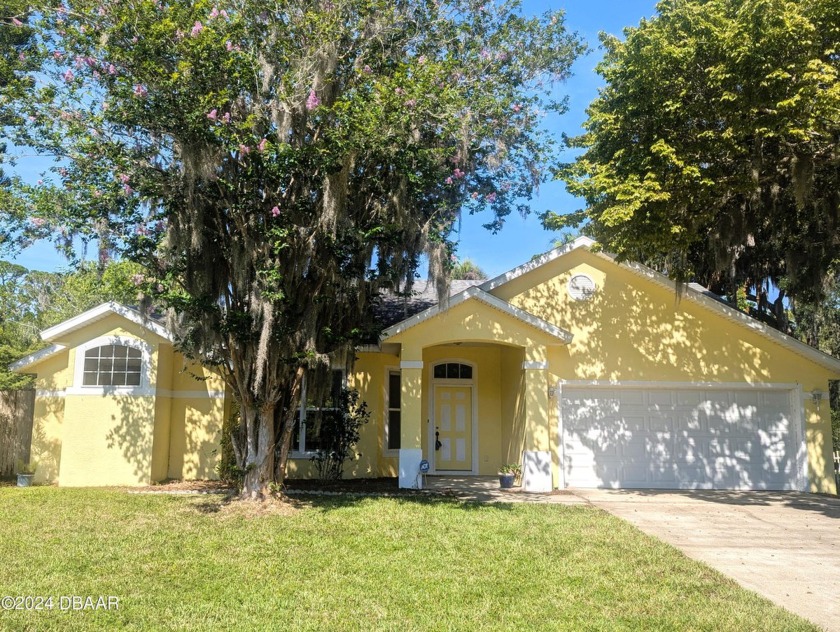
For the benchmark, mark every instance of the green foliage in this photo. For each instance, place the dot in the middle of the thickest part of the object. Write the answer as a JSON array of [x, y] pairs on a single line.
[[712, 150], [338, 433], [31, 301], [467, 270], [24, 467]]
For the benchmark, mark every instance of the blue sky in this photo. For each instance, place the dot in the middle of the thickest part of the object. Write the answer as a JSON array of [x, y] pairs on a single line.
[[520, 239]]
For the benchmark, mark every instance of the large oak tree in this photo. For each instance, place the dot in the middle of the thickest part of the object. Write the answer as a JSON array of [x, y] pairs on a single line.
[[273, 165], [712, 151]]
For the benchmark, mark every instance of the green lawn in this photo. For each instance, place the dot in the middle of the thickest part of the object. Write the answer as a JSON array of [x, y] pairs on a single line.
[[337, 563]]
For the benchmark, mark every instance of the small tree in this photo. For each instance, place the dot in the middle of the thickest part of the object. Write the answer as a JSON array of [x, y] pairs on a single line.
[[467, 270], [338, 431]]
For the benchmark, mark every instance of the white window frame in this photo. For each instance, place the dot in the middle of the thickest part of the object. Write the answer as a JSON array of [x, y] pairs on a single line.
[[386, 395], [143, 389], [302, 452]]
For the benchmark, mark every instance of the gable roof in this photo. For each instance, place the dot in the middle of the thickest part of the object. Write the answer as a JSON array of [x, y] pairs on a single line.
[[691, 291], [54, 333], [477, 293], [392, 308], [98, 313]]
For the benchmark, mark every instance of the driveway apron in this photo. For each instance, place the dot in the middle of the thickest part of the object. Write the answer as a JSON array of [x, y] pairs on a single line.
[[783, 545]]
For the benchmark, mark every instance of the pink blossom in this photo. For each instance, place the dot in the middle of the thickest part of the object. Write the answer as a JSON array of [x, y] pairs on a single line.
[[475, 195], [367, 70], [112, 69], [101, 11], [37, 222], [62, 172], [140, 91], [179, 34], [127, 189], [97, 193], [312, 101], [196, 29], [517, 107], [226, 117], [410, 103], [213, 114], [485, 54], [491, 197], [244, 149], [124, 178], [214, 13], [135, 39], [275, 212], [58, 55], [142, 230], [458, 173], [229, 46], [421, 60], [40, 182], [398, 91], [96, 74], [224, 14], [261, 145], [68, 76], [449, 180], [138, 279], [17, 22]]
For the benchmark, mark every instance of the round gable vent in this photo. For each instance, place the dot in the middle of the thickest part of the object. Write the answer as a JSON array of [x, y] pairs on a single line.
[[581, 287]]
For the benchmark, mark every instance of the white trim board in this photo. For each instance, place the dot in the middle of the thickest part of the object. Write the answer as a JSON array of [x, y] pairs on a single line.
[[100, 312], [38, 356]]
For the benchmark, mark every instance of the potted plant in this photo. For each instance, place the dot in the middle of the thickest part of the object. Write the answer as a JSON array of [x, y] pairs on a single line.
[[26, 472], [509, 474]]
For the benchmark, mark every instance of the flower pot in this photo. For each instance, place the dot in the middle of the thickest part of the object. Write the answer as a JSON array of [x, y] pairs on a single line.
[[506, 480], [25, 480]]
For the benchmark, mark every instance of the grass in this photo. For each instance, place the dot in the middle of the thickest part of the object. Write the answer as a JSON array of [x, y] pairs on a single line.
[[339, 563]]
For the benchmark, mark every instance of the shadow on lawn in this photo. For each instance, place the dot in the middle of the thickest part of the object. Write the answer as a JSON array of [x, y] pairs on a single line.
[[819, 503]]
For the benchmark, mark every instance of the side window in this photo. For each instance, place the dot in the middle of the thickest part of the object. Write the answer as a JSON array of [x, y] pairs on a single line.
[[394, 416], [305, 437], [112, 365]]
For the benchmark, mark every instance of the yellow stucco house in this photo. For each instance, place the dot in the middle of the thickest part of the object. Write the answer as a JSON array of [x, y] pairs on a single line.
[[588, 372]]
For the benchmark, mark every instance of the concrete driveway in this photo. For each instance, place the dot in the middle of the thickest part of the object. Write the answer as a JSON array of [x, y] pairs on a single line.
[[783, 545]]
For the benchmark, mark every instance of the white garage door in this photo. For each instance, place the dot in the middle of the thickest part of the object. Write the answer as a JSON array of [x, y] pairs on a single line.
[[680, 438]]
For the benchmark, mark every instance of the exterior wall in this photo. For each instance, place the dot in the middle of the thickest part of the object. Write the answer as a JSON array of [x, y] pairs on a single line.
[[107, 440], [512, 397], [54, 375], [633, 329], [168, 428]]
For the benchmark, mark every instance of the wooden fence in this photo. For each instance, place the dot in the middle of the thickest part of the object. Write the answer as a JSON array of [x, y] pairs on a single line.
[[16, 413]]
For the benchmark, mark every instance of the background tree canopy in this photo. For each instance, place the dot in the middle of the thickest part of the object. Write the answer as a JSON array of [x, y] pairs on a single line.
[[712, 152], [273, 166]]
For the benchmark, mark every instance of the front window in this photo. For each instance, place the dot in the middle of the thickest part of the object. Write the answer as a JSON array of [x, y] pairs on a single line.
[[392, 430], [311, 413], [453, 371], [112, 365]]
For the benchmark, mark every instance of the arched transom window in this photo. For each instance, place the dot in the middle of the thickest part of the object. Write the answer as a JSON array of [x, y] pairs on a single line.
[[112, 365], [453, 371]]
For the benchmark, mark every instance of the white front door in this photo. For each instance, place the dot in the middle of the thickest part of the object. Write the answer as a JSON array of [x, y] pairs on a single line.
[[453, 428]]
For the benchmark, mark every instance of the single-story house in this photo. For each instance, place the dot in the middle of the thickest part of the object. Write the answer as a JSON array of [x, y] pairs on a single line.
[[588, 372]]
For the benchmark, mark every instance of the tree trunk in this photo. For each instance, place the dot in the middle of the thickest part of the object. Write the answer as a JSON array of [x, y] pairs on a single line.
[[259, 466]]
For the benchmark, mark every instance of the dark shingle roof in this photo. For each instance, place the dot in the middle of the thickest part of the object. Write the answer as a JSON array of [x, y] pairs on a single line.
[[392, 309]]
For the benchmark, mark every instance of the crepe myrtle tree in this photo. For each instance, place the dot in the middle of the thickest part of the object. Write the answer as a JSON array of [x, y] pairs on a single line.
[[274, 165]]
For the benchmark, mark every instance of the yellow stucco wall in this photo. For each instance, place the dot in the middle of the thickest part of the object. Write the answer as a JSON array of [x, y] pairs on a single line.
[[84, 438], [633, 329]]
